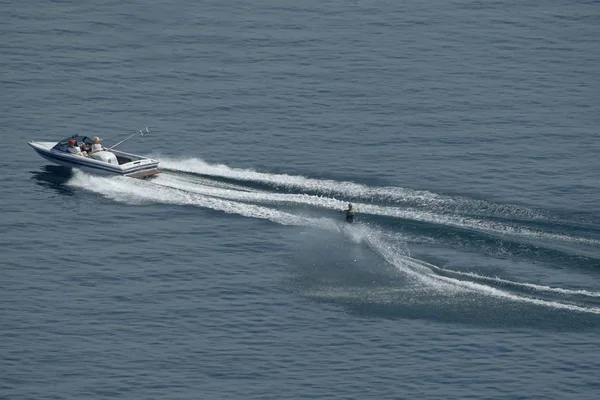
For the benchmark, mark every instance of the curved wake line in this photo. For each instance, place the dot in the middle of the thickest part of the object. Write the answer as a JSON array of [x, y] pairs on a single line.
[[539, 288], [532, 286], [418, 270], [335, 204], [135, 191], [347, 189], [523, 299]]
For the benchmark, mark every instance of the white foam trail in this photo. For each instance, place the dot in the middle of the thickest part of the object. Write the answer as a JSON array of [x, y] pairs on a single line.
[[334, 204], [469, 223], [136, 191], [249, 196], [347, 189], [198, 180]]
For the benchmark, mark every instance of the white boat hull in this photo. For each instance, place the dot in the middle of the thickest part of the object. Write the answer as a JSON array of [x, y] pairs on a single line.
[[137, 167]]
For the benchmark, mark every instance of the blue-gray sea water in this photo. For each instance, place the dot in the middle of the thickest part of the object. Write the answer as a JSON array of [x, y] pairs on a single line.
[[464, 132]]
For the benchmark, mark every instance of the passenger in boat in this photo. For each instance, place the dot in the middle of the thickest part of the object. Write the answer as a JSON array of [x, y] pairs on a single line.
[[73, 148], [349, 213], [85, 149], [96, 146]]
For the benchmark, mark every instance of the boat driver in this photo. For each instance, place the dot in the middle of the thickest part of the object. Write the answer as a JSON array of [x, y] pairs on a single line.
[[73, 148]]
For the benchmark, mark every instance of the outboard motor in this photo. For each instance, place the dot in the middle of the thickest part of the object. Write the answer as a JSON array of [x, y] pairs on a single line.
[[105, 156]]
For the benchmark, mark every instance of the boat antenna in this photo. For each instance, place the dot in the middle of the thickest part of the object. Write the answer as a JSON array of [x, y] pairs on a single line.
[[142, 132]]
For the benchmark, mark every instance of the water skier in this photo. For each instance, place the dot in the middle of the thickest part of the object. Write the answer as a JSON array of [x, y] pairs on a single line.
[[349, 213]]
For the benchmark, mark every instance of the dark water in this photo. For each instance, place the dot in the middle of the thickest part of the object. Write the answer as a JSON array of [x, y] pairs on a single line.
[[465, 133]]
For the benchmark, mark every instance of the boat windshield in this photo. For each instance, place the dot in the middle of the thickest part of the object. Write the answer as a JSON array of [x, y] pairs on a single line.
[[64, 144]]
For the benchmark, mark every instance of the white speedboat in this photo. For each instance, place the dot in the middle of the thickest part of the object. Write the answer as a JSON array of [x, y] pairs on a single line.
[[108, 161]]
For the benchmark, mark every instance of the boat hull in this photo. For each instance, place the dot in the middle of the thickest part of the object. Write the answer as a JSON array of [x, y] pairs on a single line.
[[139, 168]]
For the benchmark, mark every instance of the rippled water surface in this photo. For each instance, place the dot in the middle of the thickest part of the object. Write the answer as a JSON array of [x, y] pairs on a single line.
[[465, 133]]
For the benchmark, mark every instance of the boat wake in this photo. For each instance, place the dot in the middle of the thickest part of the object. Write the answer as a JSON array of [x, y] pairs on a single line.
[[423, 218]]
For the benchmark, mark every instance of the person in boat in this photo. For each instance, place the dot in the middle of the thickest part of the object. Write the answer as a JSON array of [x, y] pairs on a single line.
[[97, 146], [85, 149], [73, 148], [350, 211]]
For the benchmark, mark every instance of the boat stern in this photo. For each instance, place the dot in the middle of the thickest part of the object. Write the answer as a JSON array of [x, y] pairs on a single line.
[[141, 168], [145, 174]]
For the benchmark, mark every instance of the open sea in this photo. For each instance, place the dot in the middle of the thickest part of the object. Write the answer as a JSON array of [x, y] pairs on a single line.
[[465, 133]]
